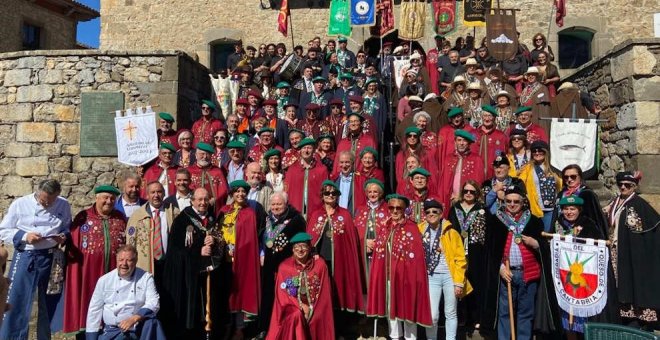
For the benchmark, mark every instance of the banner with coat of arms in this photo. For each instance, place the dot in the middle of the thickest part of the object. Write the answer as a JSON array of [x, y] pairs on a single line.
[[501, 33], [413, 19], [384, 18], [339, 22], [579, 274], [444, 16], [363, 13], [474, 12], [137, 141]]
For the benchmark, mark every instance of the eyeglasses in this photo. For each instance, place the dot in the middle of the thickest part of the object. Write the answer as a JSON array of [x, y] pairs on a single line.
[[360, 56], [512, 201], [415, 136], [395, 208], [571, 177], [538, 151], [219, 137], [300, 246], [433, 212], [468, 191], [626, 185], [205, 108], [331, 193]]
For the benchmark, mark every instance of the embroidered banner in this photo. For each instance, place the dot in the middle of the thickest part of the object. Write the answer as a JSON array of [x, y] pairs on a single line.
[[474, 12], [137, 142], [339, 22], [579, 274], [363, 12], [573, 143], [400, 66], [413, 18], [283, 18], [384, 18], [222, 87], [444, 16], [501, 35]]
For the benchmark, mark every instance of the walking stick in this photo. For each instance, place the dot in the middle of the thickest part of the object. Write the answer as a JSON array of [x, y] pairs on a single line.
[[375, 327], [508, 289], [207, 327]]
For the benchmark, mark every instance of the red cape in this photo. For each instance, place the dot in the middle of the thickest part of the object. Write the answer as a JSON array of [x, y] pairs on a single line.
[[346, 144], [446, 146], [245, 293], [287, 320], [431, 65], [488, 146], [360, 177], [257, 152], [153, 174], [380, 228], [473, 168], [214, 182], [169, 137], [88, 258], [289, 157], [429, 162], [294, 185], [416, 210], [346, 274], [203, 130], [534, 132]]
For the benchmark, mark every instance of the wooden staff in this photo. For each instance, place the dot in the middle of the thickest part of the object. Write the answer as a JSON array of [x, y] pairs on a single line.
[[562, 237], [570, 317], [207, 317], [124, 110], [508, 289]]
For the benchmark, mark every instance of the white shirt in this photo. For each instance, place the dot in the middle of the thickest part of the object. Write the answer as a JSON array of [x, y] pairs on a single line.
[[26, 215], [183, 201], [130, 208], [163, 225], [116, 298], [345, 182]]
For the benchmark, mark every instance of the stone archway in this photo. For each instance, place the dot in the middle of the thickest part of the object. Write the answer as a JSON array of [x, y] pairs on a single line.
[[213, 37]]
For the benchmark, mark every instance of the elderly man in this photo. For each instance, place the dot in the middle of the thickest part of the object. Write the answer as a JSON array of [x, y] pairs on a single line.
[[165, 132], [34, 224], [450, 71], [204, 127], [524, 116], [304, 178], [491, 142], [266, 142], [232, 126], [149, 227], [259, 195], [236, 166], [292, 154], [96, 234], [345, 180], [347, 88], [493, 188], [180, 199], [163, 171], [446, 145], [369, 125], [357, 140], [319, 96], [125, 302], [420, 192], [129, 201], [204, 175]]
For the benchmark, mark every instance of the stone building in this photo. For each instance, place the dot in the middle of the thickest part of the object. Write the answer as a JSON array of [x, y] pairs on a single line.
[[41, 24]]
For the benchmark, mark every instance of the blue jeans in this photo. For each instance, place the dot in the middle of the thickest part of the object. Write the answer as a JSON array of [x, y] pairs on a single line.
[[547, 221], [522, 296], [442, 284]]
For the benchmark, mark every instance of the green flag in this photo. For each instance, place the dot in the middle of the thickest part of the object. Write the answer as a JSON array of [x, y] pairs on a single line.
[[339, 23]]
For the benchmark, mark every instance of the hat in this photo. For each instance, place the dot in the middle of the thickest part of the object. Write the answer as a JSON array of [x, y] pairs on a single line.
[[415, 55], [255, 94], [166, 117], [243, 138], [312, 106], [474, 86], [301, 238], [503, 93], [438, 36], [374, 181], [239, 183], [345, 75], [398, 50], [325, 136], [318, 79], [337, 101], [242, 101], [413, 130], [271, 102], [515, 189], [209, 103], [272, 152], [471, 61], [464, 134], [532, 69], [539, 144], [490, 109], [292, 130], [398, 197], [265, 129], [430, 96], [518, 133], [419, 171], [291, 104], [205, 147], [370, 150], [387, 43], [415, 99], [371, 80], [500, 160], [412, 71], [454, 111], [330, 183], [342, 39], [168, 146], [458, 79], [629, 176], [357, 99], [566, 85], [306, 141], [571, 200], [522, 109], [283, 85], [108, 189], [235, 144], [431, 203]]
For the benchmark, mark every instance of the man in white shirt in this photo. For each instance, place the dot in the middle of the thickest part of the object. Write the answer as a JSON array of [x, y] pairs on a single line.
[[125, 301], [35, 224], [181, 199], [345, 180]]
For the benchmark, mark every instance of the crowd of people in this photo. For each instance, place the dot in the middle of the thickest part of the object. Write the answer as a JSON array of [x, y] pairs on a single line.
[[276, 218]]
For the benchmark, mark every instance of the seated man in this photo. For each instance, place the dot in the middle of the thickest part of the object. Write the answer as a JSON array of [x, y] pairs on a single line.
[[125, 302]]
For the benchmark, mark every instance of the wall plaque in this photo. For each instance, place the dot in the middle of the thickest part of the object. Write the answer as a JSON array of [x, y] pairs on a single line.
[[97, 123]]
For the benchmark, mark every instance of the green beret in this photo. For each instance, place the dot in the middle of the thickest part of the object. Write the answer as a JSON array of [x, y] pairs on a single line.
[[371, 80], [301, 238], [398, 197], [272, 152], [342, 39], [420, 171], [330, 183], [355, 114], [108, 189], [265, 129], [318, 78], [166, 117], [243, 138], [326, 136], [235, 144], [374, 181], [168, 146], [370, 150], [209, 103], [346, 76], [464, 134], [454, 111], [205, 147], [306, 141], [413, 130], [490, 109], [296, 130], [283, 85], [239, 183], [522, 109], [571, 200]]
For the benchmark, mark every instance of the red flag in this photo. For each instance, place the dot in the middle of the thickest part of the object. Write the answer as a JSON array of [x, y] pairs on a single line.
[[561, 12], [384, 18], [283, 18]]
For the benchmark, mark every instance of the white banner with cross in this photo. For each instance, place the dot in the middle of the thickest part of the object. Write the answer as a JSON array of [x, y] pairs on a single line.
[[137, 141]]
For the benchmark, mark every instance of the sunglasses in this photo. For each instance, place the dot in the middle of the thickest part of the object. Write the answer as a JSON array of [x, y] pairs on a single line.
[[626, 185], [219, 137], [571, 177], [538, 39], [205, 108], [538, 151], [331, 193], [433, 212], [395, 208], [512, 201], [468, 191]]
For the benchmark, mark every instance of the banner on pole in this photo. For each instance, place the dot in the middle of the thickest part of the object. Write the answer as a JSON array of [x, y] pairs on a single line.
[[400, 66], [474, 12], [363, 12], [283, 18], [137, 141], [501, 33], [413, 18], [444, 16], [384, 19], [573, 143], [579, 275], [339, 22]]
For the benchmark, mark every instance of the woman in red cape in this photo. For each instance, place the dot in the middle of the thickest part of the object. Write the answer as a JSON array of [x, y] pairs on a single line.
[[367, 169], [414, 146], [446, 145], [371, 222], [296, 314], [239, 231]]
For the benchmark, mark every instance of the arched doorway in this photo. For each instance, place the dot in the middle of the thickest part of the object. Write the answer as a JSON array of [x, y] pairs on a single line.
[[220, 51], [372, 44], [575, 46]]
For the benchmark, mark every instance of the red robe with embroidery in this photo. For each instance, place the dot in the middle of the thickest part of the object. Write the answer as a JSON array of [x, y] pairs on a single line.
[[245, 294], [153, 174], [257, 152], [415, 212], [203, 130], [295, 186], [489, 145], [290, 157], [346, 274], [473, 168], [90, 255], [367, 225], [213, 179], [431, 65], [446, 146], [402, 256], [335, 125], [360, 177], [346, 144], [429, 162], [287, 320], [313, 128], [534, 132], [168, 137]]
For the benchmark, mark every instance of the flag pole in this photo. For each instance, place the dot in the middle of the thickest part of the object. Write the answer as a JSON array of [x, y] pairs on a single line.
[[552, 13], [293, 43]]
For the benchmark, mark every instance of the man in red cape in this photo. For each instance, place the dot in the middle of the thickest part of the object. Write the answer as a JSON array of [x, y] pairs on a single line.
[[204, 128], [304, 178], [459, 167], [534, 131], [398, 285], [204, 175], [446, 145], [266, 142], [165, 132], [303, 296], [356, 140], [420, 191], [490, 142], [163, 171], [96, 233]]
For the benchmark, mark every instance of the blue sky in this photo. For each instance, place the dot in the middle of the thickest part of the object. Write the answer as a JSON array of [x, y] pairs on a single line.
[[88, 32]]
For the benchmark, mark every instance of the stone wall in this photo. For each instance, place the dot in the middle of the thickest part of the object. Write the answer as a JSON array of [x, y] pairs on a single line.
[[40, 113], [207, 22], [626, 84], [59, 32]]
